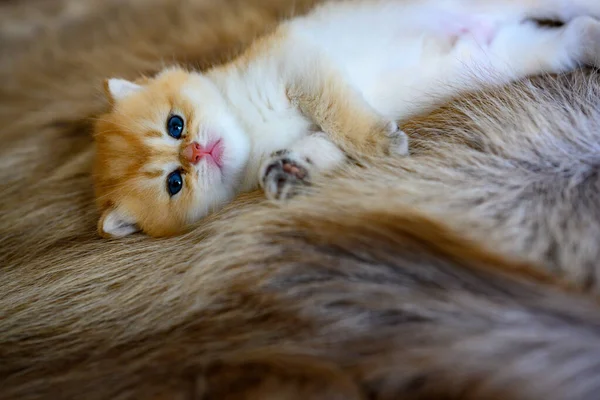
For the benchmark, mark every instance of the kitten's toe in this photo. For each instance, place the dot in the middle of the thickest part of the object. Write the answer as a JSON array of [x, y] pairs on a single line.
[[399, 143], [393, 142], [391, 128], [284, 175], [585, 34]]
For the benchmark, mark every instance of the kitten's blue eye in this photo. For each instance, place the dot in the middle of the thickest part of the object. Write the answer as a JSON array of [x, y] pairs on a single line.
[[175, 126], [174, 182]]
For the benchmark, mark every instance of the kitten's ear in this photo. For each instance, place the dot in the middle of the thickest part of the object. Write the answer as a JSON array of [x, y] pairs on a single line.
[[114, 223], [117, 89]]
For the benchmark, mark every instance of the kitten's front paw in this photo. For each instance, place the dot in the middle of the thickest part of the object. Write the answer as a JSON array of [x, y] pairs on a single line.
[[284, 174]]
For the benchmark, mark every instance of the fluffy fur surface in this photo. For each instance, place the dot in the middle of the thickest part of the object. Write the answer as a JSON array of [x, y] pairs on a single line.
[[379, 284]]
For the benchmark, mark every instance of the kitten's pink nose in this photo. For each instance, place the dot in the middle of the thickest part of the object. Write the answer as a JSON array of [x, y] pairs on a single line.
[[193, 152]]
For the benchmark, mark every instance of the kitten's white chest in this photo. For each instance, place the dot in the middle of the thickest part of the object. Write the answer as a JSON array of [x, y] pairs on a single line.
[[267, 116]]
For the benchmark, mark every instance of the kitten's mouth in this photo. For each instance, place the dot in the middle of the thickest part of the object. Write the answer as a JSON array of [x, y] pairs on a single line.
[[214, 153]]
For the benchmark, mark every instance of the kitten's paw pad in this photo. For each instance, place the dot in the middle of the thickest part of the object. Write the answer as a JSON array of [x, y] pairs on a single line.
[[584, 38], [284, 175]]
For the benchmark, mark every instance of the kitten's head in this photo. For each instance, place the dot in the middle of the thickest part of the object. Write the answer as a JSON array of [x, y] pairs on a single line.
[[168, 152]]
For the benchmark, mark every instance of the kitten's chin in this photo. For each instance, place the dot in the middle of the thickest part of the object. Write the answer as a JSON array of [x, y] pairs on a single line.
[[233, 163], [221, 197]]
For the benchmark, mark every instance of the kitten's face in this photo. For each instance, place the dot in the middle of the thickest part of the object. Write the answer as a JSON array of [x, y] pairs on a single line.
[[168, 153]]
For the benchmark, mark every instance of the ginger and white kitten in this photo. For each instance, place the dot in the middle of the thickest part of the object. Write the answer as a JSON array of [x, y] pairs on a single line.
[[182, 144]]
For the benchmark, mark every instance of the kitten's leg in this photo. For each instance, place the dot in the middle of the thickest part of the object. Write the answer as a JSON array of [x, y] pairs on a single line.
[[286, 172], [530, 50], [322, 94], [516, 52]]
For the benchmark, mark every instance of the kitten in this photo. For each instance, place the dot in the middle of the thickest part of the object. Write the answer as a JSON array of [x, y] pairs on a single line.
[[182, 144]]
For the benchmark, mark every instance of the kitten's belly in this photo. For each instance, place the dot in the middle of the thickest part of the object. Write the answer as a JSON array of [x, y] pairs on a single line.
[[371, 40]]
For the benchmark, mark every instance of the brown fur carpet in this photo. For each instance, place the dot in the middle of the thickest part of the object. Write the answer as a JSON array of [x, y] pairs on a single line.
[[468, 271]]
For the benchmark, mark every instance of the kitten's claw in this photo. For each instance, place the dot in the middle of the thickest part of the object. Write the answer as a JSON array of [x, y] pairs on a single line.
[[284, 174]]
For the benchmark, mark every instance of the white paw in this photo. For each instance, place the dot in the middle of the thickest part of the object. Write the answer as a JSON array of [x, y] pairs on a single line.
[[584, 40]]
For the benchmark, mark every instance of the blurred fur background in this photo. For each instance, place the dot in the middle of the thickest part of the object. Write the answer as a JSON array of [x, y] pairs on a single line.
[[467, 271]]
